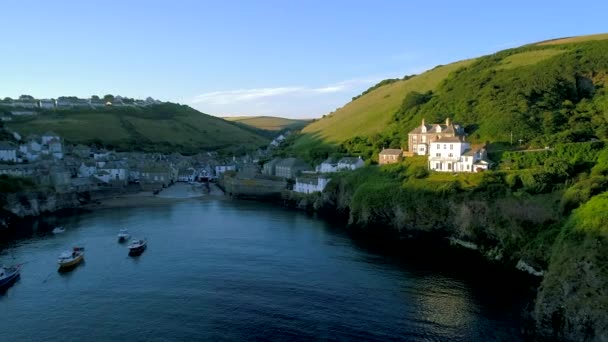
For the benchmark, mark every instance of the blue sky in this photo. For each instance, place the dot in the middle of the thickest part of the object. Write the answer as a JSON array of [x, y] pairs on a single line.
[[287, 58]]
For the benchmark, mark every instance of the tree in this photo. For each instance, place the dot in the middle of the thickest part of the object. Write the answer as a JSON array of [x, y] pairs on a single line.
[[94, 97], [26, 97], [108, 97]]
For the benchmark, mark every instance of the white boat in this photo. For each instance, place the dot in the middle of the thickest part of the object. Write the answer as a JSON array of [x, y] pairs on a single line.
[[71, 258], [123, 235], [8, 275], [137, 246], [58, 230]]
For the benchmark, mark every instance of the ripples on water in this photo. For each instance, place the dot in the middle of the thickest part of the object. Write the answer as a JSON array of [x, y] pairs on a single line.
[[230, 270]]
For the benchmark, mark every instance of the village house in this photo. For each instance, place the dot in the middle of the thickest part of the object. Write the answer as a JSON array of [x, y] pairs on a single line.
[[350, 163], [277, 141], [290, 168], [61, 178], [30, 104], [390, 156], [156, 176], [269, 168], [8, 152], [187, 175], [453, 154], [310, 183], [422, 136], [55, 148], [46, 104], [64, 102], [118, 171], [328, 165], [48, 136], [220, 169]]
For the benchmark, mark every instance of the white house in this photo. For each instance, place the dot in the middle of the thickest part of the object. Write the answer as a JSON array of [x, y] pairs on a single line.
[[117, 170], [223, 168], [453, 154], [188, 175], [310, 184], [46, 104], [48, 136], [56, 148], [350, 163], [8, 152], [328, 165], [87, 169]]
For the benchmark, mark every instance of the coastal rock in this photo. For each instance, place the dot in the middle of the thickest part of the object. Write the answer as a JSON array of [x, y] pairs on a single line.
[[523, 266]]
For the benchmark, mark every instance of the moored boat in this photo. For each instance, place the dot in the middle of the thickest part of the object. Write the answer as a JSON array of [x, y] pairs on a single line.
[[137, 246], [123, 235], [8, 275], [71, 258], [58, 230]]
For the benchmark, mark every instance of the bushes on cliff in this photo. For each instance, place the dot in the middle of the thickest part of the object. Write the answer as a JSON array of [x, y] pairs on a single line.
[[573, 298]]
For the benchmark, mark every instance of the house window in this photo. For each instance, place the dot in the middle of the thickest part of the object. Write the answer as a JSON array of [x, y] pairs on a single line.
[[438, 155], [438, 166], [415, 138], [439, 146], [450, 155], [445, 146], [451, 146], [468, 167], [449, 166]]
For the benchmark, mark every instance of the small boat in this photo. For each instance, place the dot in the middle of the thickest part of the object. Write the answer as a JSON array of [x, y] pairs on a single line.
[[8, 275], [58, 230], [137, 246], [123, 235], [71, 258]]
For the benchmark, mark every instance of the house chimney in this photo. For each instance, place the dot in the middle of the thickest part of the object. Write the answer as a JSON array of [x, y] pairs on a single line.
[[447, 122], [422, 121]]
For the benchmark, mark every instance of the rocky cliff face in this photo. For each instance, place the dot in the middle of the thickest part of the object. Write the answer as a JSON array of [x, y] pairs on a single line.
[[528, 233], [36, 203]]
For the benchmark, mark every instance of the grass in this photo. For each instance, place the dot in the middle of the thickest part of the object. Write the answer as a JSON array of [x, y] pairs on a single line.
[[577, 39], [372, 112], [527, 58], [155, 127], [270, 123]]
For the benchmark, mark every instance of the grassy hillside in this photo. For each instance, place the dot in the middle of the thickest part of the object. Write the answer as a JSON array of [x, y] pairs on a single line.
[[164, 127], [546, 93], [269, 123], [372, 112]]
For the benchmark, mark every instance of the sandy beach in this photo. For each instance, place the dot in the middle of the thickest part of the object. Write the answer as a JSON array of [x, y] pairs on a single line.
[[174, 193]]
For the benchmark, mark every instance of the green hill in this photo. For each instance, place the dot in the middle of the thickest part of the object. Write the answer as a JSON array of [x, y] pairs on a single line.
[[165, 127], [545, 93], [269, 123]]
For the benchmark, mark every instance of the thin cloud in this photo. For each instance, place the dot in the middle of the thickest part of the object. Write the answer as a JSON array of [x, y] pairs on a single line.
[[289, 101]]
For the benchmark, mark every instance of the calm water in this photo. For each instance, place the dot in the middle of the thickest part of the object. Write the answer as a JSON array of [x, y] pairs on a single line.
[[230, 270]]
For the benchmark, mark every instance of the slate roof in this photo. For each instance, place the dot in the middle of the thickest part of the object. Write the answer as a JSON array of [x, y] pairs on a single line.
[[392, 151]]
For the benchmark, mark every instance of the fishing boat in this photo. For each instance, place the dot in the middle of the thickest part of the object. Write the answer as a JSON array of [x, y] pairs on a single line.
[[58, 230], [71, 258], [123, 235], [137, 246], [8, 275]]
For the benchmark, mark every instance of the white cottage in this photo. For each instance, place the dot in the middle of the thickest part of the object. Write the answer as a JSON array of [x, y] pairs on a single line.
[[453, 154], [350, 163], [328, 165], [8, 152], [310, 184]]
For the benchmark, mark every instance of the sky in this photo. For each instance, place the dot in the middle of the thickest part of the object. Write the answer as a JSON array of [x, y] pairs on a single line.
[[299, 59]]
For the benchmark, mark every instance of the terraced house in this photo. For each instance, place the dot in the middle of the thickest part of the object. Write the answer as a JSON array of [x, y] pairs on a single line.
[[420, 138]]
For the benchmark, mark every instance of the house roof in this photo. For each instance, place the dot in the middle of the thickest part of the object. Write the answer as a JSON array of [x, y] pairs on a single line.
[[349, 160], [392, 151], [331, 161], [292, 162], [455, 139], [5, 145]]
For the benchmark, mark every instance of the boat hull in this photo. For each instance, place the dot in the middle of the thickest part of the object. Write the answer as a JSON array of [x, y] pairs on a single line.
[[123, 238], [8, 281], [71, 263], [137, 250]]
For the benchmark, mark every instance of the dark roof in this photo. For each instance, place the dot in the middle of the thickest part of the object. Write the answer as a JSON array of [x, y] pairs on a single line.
[[349, 160], [449, 140], [391, 151], [292, 162], [5, 145]]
